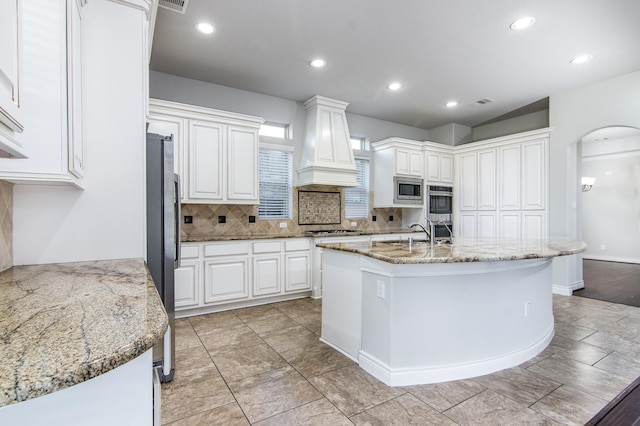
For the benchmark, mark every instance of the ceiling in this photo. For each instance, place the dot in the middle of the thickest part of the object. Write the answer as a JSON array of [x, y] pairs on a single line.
[[439, 50]]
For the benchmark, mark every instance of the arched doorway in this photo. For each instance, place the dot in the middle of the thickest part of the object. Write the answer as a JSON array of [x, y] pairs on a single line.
[[609, 214]]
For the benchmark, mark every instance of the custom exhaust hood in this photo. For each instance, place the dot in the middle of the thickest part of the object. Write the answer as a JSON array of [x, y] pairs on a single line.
[[327, 156]]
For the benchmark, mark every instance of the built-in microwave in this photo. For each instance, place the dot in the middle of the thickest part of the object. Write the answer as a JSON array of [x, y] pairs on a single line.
[[407, 190]]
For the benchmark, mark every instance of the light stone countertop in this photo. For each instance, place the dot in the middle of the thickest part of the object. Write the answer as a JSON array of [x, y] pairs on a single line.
[[462, 250], [62, 324], [208, 238]]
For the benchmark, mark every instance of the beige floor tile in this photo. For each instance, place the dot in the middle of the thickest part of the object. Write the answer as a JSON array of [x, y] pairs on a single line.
[[312, 321], [627, 327], [193, 394], [316, 358], [572, 331], [212, 323], [523, 386], [352, 390], [226, 339], [491, 409], [285, 339], [295, 308], [276, 321], [255, 312], [615, 343], [316, 413], [226, 415], [443, 396], [589, 379], [579, 351], [185, 335], [403, 410], [273, 392], [194, 361], [569, 406], [620, 364], [238, 364]]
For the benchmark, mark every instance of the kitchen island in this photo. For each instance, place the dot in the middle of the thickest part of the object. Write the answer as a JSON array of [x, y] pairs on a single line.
[[412, 313], [76, 343]]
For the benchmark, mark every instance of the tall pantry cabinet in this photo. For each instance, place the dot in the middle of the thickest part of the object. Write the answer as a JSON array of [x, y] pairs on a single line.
[[502, 187]]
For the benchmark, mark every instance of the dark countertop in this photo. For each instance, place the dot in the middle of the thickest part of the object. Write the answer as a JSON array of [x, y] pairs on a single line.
[[63, 324]]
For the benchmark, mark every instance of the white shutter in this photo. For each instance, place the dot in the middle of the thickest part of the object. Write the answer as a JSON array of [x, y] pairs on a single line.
[[276, 184], [357, 197]]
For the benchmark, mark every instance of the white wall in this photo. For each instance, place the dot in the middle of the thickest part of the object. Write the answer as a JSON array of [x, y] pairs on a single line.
[[611, 209], [106, 220], [573, 114]]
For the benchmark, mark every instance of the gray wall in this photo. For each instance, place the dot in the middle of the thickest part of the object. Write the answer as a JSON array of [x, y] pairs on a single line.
[[272, 109], [524, 123]]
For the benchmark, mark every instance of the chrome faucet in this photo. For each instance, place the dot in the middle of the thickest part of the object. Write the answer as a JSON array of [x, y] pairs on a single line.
[[448, 229], [429, 233]]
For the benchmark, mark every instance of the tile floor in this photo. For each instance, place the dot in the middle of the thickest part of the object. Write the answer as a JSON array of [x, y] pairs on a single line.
[[264, 365]]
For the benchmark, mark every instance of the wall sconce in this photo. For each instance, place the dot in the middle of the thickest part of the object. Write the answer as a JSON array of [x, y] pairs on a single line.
[[587, 183]]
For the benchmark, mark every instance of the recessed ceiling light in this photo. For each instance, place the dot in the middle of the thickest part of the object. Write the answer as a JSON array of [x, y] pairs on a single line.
[[318, 63], [581, 59], [451, 104], [394, 86], [205, 28], [523, 23]]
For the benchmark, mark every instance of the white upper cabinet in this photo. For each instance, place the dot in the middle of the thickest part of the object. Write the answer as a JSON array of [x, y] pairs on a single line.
[[477, 180], [467, 187], [50, 94], [510, 179], [11, 121], [487, 179], [408, 162], [216, 151], [534, 174], [439, 167]]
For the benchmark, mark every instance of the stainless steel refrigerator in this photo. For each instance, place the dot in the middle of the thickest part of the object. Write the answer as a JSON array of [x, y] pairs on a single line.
[[163, 239]]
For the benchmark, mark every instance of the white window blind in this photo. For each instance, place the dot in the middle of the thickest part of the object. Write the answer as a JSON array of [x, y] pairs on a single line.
[[357, 197], [276, 184]]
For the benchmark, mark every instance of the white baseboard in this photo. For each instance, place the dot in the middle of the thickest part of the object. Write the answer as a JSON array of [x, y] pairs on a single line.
[[567, 291], [612, 258]]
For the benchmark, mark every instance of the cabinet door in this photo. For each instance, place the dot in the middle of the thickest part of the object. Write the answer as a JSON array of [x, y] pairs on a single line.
[[175, 127], [510, 225], [534, 172], [446, 168], [509, 172], [415, 163], [205, 159], [467, 225], [242, 171], [266, 274], [187, 283], [468, 181], [10, 56], [487, 180], [433, 167], [534, 225], [297, 276], [226, 279], [487, 225], [403, 161], [74, 89]]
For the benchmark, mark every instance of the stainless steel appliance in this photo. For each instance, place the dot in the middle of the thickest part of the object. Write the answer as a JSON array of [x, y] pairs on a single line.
[[440, 205], [163, 240], [407, 190]]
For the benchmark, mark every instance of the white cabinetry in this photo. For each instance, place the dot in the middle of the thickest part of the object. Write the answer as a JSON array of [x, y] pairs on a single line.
[[219, 151], [502, 187], [394, 157], [167, 125], [11, 19], [215, 276], [50, 95], [439, 167]]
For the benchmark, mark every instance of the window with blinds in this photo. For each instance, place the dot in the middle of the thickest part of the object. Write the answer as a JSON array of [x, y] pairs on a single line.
[[276, 184], [357, 197]]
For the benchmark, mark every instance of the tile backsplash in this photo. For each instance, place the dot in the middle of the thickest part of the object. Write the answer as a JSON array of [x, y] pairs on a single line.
[[6, 225], [206, 217]]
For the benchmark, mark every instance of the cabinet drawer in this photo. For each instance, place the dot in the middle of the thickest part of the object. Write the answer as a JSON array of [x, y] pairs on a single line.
[[295, 245], [266, 247], [188, 252], [226, 249]]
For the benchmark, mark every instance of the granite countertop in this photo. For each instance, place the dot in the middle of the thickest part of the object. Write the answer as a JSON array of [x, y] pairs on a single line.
[[208, 238], [62, 324], [462, 250]]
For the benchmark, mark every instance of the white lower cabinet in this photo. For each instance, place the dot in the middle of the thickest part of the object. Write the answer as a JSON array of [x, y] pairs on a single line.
[[214, 276]]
